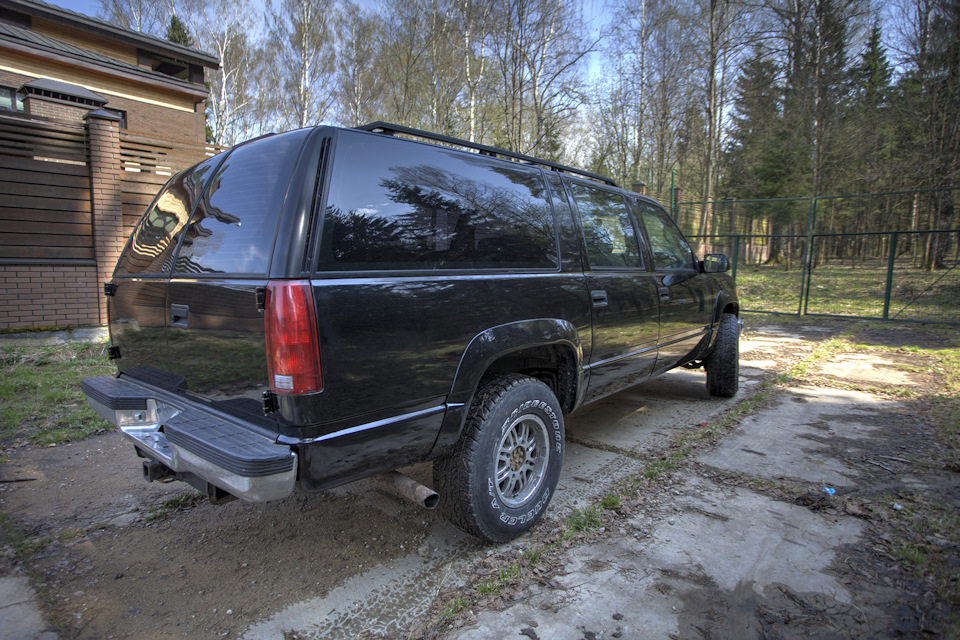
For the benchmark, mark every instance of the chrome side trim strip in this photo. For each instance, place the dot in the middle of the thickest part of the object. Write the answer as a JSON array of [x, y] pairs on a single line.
[[377, 424], [623, 357]]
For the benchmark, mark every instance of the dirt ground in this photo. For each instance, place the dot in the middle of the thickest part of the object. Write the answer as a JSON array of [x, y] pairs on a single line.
[[116, 557]]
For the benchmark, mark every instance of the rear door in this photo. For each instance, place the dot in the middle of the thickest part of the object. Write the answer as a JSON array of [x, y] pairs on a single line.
[[422, 250], [622, 292], [215, 330]]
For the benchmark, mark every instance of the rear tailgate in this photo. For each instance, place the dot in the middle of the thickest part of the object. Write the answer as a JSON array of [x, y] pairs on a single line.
[[215, 329], [138, 293]]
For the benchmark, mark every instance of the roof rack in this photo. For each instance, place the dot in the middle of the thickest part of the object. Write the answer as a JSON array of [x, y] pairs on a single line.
[[390, 129]]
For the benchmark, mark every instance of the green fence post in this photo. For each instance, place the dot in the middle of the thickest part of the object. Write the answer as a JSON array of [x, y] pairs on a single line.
[[890, 264], [736, 255], [673, 195], [807, 260]]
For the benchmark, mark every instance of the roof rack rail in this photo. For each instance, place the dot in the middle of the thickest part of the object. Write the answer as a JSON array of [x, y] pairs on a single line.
[[390, 129]]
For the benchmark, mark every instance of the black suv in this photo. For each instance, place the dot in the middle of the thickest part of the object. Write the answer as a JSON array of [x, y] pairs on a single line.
[[313, 307]]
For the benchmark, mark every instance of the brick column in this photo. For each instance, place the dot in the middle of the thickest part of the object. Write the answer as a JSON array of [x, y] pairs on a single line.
[[103, 145]]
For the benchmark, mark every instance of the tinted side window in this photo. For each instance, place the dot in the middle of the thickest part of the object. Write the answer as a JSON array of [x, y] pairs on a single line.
[[670, 249], [151, 248], [607, 227], [233, 227], [399, 205]]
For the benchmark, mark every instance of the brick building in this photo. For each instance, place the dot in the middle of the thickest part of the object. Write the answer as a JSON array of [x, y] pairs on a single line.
[[155, 86], [94, 118]]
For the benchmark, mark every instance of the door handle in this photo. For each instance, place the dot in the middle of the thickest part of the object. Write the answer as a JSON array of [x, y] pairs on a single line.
[[599, 298], [179, 315], [664, 293]]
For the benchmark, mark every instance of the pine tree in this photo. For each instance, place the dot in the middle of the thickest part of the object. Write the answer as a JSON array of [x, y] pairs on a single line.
[[871, 120], [872, 76], [178, 33], [754, 155]]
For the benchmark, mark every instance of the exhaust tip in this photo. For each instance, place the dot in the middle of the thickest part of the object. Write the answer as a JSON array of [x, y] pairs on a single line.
[[408, 488]]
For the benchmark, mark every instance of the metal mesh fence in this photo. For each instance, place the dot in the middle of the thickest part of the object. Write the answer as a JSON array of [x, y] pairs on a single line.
[[890, 256]]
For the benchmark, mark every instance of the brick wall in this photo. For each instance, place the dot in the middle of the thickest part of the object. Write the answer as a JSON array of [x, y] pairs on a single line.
[[48, 295], [154, 120], [142, 117], [54, 110], [14, 80], [64, 227], [103, 144]]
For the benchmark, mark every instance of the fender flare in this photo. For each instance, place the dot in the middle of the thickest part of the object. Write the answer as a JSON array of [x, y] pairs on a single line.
[[490, 345], [724, 301]]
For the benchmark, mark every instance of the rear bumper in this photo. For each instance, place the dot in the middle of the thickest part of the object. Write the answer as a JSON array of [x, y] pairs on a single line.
[[189, 438]]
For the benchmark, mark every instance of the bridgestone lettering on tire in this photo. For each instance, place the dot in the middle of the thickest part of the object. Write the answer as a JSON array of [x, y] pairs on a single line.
[[723, 365], [499, 478]]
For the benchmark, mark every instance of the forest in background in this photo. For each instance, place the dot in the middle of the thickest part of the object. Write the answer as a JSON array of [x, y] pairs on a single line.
[[734, 99]]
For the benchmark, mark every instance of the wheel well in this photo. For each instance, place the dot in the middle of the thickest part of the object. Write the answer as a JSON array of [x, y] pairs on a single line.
[[730, 307], [554, 365]]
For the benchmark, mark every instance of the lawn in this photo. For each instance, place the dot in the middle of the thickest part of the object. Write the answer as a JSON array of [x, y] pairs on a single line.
[[856, 290], [40, 397]]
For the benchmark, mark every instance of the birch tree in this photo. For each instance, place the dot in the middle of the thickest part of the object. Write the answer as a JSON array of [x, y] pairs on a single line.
[[224, 28], [721, 31], [930, 41], [146, 16], [300, 32], [476, 22], [359, 77], [537, 52]]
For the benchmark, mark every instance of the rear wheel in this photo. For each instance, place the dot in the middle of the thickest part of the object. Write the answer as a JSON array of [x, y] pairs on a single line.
[[497, 481], [723, 364]]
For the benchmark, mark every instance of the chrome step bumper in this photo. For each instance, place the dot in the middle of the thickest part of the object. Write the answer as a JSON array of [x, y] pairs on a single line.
[[188, 438]]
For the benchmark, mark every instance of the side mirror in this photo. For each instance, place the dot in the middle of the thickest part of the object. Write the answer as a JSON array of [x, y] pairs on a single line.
[[715, 263]]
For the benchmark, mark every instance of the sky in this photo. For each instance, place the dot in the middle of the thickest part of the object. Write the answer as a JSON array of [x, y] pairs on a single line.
[[595, 11]]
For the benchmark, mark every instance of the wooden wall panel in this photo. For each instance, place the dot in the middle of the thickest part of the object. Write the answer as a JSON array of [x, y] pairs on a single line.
[[44, 205], [104, 46]]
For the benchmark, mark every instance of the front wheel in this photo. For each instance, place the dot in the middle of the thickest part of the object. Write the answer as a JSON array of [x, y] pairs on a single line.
[[723, 364], [499, 478]]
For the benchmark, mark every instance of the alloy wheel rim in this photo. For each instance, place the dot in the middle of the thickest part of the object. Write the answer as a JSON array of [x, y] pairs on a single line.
[[522, 459]]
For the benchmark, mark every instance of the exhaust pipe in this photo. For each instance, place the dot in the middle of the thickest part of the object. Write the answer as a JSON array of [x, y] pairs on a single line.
[[410, 489]]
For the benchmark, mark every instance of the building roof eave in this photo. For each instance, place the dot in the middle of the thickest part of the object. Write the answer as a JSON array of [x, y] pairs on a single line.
[[149, 78], [99, 27]]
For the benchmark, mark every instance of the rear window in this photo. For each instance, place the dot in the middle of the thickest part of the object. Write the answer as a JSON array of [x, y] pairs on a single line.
[[399, 205], [151, 247], [233, 227]]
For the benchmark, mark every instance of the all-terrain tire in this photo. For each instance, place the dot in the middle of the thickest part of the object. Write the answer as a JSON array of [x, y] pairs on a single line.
[[499, 478], [723, 364]]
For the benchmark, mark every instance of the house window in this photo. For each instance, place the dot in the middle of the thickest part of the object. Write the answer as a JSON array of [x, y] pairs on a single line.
[[162, 64], [9, 100]]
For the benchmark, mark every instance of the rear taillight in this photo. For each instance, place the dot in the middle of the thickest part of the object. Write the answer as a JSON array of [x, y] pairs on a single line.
[[293, 352]]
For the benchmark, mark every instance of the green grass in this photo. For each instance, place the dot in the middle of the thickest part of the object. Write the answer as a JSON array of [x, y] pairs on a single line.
[[854, 290], [585, 519], [176, 503], [494, 586], [452, 608], [40, 397], [22, 546], [611, 501]]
